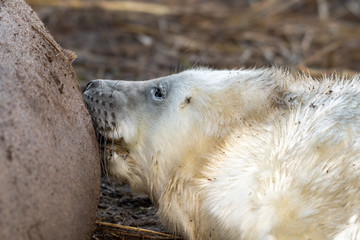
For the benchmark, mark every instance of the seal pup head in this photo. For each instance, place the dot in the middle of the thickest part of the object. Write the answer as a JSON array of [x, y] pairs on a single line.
[[159, 127]]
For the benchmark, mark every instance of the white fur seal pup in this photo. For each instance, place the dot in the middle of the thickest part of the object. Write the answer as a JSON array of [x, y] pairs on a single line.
[[241, 154]]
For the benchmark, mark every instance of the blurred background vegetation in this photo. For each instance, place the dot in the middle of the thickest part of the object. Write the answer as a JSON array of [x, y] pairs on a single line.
[[146, 39], [139, 40]]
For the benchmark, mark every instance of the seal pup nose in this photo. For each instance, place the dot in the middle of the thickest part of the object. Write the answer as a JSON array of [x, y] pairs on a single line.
[[92, 84]]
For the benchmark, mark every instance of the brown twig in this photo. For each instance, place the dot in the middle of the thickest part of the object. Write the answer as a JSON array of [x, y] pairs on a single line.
[[123, 6], [65, 59], [141, 230]]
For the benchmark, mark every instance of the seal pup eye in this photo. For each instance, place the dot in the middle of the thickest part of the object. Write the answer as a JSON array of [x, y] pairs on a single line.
[[158, 93]]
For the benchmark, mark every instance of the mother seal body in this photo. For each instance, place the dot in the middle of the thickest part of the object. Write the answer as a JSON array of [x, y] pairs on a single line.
[[241, 154]]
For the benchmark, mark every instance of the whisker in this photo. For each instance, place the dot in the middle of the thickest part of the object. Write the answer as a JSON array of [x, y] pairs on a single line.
[[181, 57], [119, 137], [103, 145], [112, 147], [105, 141], [113, 88], [101, 149], [197, 61]]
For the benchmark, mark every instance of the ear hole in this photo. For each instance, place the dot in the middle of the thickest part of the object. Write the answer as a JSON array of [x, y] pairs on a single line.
[[187, 100]]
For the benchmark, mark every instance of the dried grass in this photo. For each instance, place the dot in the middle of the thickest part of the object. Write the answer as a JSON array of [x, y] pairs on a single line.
[[127, 232], [137, 40]]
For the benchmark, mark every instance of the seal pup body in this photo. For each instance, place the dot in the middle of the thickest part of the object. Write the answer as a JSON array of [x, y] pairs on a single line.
[[240, 154]]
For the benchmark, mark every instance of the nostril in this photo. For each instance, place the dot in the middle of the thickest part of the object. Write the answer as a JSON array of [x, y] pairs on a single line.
[[92, 84]]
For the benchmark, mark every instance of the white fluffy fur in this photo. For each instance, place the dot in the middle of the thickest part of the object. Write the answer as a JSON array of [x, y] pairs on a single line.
[[255, 154]]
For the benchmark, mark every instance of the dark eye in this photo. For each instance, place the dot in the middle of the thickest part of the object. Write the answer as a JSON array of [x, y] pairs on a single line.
[[158, 93]]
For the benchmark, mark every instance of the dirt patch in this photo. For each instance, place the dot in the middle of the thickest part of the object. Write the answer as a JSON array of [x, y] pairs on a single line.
[[117, 205]]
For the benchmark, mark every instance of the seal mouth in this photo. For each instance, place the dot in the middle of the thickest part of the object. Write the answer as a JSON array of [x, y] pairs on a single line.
[[106, 140], [112, 145]]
